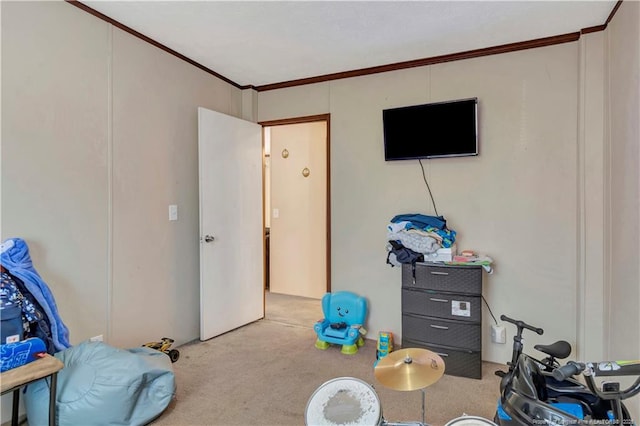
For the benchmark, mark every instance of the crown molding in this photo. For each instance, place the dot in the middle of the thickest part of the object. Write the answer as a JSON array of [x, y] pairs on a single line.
[[476, 53], [151, 41]]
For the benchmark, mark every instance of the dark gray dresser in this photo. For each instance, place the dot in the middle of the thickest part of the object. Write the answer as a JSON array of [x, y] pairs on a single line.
[[442, 312]]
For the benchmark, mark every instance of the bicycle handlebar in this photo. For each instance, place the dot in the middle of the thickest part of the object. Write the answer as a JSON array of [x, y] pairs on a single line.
[[522, 324], [603, 368], [614, 368]]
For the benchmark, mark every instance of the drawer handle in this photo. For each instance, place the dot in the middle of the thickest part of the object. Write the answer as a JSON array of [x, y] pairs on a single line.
[[439, 273], [439, 327], [433, 299]]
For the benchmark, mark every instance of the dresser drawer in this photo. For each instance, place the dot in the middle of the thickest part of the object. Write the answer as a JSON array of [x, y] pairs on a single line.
[[442, 305], [442, 332], [454, 279], [457, 362]]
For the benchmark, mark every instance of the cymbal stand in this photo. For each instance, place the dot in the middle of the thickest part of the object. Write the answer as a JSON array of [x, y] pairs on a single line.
[[424, 397]]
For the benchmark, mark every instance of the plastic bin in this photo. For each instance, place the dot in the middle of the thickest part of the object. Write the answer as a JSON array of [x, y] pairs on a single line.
[[11, 329]]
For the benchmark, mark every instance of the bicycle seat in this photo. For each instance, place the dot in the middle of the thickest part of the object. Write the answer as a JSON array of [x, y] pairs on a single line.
[[560, 349]]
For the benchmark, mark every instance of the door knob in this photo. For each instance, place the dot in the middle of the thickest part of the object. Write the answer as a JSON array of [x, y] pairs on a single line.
[[208, 238]]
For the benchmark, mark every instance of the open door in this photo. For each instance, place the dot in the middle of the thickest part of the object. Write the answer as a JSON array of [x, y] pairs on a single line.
[[231, 223]]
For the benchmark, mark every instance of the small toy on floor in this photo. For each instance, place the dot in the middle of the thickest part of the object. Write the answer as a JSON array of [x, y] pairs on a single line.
[[164, 345], [344, 316], [385, 345]]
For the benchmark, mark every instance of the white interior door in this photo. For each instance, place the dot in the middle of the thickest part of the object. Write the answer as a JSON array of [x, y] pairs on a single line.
[[231, 241]]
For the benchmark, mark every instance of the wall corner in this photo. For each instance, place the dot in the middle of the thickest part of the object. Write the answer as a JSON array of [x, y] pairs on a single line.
[[249, 108]]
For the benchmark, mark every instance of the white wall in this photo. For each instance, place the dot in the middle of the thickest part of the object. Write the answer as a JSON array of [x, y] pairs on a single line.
[[55, 157], [515, 202], [623, 107], [155, 164], [624, 133], [99, 136], [592, 184]]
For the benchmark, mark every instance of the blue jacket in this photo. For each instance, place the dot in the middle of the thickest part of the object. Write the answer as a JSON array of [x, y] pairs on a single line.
[[16, 259]]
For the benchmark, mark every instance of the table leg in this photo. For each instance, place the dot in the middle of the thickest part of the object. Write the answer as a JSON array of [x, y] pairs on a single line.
[[16, 403], [52, 399]]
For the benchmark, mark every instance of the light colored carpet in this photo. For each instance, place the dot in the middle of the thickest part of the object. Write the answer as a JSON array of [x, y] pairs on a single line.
[[292, 310], [264, 374]]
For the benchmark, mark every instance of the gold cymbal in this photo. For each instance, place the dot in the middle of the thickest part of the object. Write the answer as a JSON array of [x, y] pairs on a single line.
[[409, 369]]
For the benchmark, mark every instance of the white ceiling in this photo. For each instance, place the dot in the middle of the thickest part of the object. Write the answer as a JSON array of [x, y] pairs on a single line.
[[265, 42]]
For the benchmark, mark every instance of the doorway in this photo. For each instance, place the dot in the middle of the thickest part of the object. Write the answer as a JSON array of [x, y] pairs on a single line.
[[297, 207]]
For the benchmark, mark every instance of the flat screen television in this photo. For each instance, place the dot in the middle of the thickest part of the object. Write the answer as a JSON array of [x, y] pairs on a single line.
[[441, 129]]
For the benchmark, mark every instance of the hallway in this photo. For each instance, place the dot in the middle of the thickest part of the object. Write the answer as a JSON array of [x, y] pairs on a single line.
[[292, 310]]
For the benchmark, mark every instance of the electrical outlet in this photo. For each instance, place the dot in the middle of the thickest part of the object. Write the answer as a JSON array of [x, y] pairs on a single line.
[[97, 338], [498, 334]]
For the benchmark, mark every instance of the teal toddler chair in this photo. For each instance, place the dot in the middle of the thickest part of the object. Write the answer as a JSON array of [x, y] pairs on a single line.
[[344, 315]]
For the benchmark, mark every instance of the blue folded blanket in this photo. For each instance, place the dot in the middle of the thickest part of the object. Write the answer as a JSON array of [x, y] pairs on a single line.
[[421, 221], [16, 259]]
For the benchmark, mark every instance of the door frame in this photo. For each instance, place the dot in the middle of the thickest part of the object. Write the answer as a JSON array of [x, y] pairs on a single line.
[[301, 120]]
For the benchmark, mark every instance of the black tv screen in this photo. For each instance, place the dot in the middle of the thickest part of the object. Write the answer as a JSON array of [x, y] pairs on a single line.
[[442, 129]]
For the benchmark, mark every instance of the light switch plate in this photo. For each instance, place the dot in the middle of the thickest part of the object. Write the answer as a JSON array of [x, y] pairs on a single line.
[[173, 212]]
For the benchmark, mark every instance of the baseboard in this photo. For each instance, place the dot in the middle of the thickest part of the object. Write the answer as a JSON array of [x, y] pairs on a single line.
[[22, 419]]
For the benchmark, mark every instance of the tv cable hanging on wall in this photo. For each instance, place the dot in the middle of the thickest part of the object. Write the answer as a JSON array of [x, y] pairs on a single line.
[[427, 183]]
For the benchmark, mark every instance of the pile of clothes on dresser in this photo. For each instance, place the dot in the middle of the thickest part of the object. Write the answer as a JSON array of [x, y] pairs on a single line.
[[417, 238]]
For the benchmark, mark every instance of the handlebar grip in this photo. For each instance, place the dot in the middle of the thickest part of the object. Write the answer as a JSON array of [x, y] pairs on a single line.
[[616, 368], [568, 370], [522, 324]]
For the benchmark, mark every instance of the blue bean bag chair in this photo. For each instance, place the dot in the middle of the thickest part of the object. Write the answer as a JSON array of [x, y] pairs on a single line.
[[103, 385]]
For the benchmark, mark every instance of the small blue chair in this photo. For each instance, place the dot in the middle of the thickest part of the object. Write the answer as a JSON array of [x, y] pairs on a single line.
[[344, 315]]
